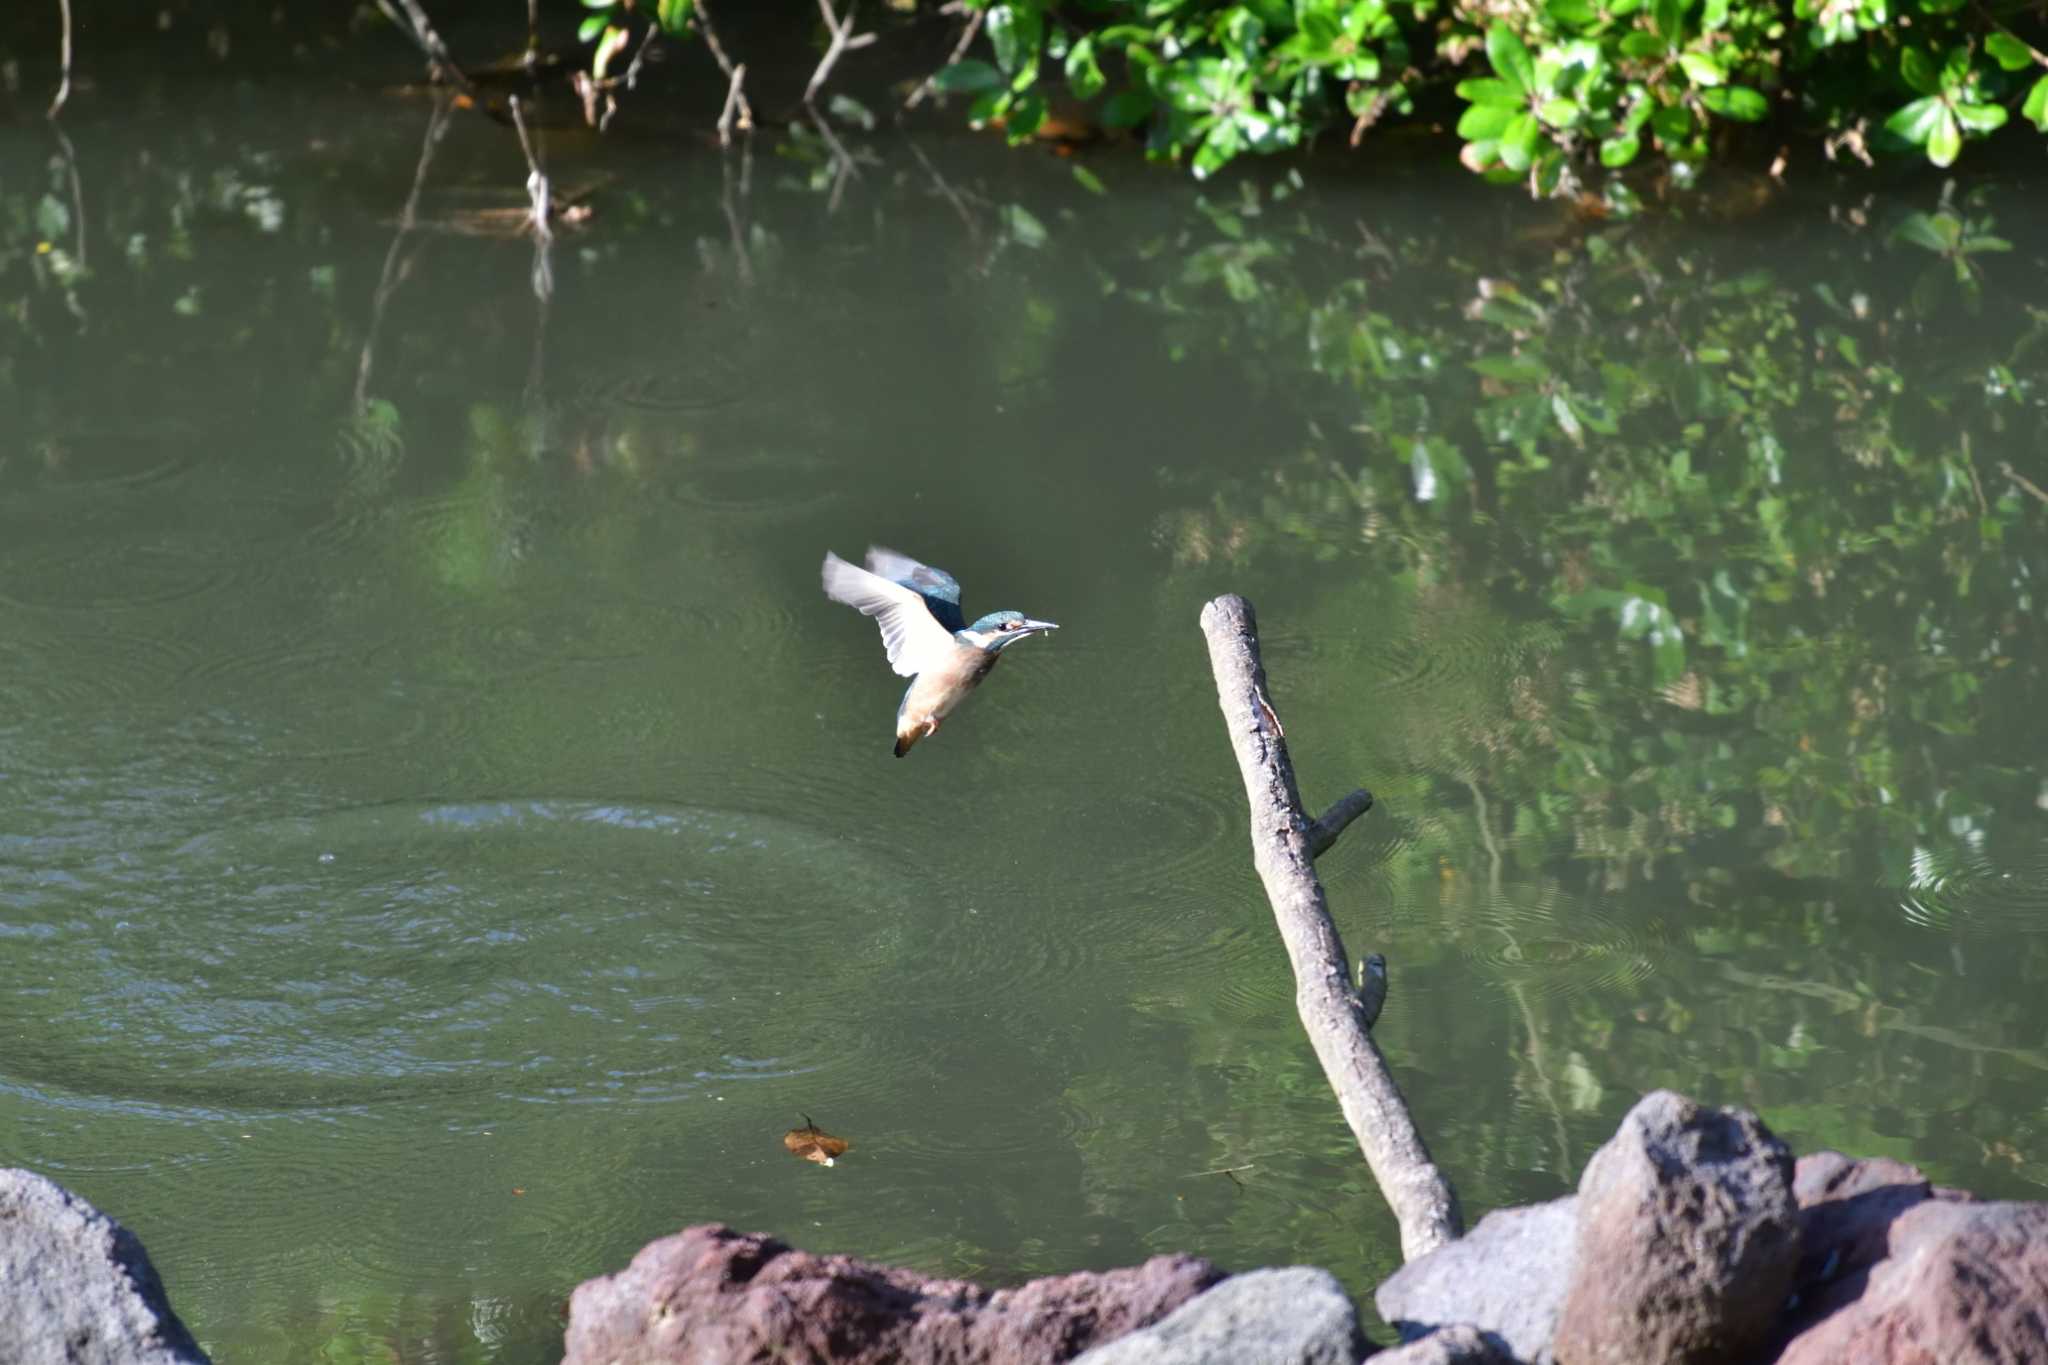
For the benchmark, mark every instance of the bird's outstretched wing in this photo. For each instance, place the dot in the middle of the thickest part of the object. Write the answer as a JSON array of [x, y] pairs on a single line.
[[914, 638], [939, 589]]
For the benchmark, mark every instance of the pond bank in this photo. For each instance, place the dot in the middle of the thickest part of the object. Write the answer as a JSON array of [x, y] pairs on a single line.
[[1694, 1236]]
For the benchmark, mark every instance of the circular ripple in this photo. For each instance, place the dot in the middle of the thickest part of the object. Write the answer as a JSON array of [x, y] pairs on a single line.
[[1976, 894], [141, 460], [107, 575], [545, 953], [1541, 941]]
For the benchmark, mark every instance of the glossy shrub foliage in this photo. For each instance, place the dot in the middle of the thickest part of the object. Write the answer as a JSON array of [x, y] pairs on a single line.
[[1541, 90]]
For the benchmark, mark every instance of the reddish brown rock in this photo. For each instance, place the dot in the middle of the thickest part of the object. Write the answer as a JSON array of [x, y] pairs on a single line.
[[1687, 1239], [1959, 1284], [1846, 1210], [713, 1296]]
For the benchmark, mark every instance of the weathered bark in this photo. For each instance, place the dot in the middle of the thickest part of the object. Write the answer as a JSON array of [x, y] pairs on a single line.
[[1284, 846]]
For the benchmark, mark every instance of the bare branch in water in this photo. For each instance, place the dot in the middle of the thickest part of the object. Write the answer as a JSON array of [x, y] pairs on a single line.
[[415, 25], [64, 62], [387, 282], [647, 41], [843, 168], [930, 83], [735, 103], [537, 191], [736, 76], [1333, 1012], [844, 39]]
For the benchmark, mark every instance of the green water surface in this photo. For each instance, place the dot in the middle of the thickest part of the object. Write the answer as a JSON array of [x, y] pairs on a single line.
[[446, 836]]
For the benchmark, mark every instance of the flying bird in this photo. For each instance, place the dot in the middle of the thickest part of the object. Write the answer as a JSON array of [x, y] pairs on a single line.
[[918, 609]]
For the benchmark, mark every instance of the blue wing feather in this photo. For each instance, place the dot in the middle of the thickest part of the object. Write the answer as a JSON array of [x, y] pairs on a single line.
[[939, 589]]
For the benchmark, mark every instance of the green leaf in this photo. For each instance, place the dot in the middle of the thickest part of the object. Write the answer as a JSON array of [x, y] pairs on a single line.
[[1483, 121], [1703, 69], [599, 4], [674, 16], [1518, 142], [1737, 102], [1016, 32], [1088, 180], [1916, 68], [1915, 123], [1669, 18], [1559, 113], [1084, 74], [1936, 234], [1714, 16], [590, 28], [1672, 122], [1510, 58], [969, 77], [1127, 109], [2008, 51], [1620, 151], [1487, 90], [1642, 45], [1571, 13], [2035, 110], [1981, 118], [1945, 142]]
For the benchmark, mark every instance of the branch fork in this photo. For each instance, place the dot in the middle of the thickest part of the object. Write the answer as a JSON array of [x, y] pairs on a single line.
[[1337, 1015]]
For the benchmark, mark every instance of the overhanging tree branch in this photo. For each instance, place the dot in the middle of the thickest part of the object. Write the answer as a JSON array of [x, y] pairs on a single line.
[[1336, 1016]]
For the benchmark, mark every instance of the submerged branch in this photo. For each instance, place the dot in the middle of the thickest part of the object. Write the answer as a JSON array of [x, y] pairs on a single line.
[[387, 281], [1334, 1015]]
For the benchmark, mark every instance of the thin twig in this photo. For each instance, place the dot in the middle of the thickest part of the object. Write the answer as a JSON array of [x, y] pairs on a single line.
[[64, 61], [537, 191], [387, 281], [742, 258], [952, 197], [930, 83], [1225, 1170], [843, 168], [1331, 1011], [843, 40], [2005, 468], [735, 103], [736, 75], [78, 233], [415, 24], [640, 54]]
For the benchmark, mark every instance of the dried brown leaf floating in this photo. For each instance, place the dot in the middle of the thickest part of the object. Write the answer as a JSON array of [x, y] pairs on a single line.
[[814, 1144]]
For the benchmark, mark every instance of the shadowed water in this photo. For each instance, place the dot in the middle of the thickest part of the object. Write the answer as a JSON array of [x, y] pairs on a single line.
[[446, 836]]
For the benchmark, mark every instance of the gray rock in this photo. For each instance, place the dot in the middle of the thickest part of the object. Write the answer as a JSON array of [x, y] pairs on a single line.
[[1688, 1238], [1460, 1345], [1297, 1315], [76, 1288], [1507, 1277]]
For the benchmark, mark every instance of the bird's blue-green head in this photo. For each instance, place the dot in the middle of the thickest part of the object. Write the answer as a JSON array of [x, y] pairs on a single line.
[[998, 630]]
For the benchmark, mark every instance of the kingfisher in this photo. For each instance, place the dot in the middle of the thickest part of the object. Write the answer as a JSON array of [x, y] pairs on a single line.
[[918, 609]]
